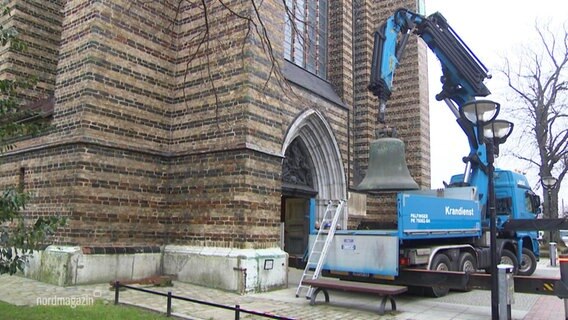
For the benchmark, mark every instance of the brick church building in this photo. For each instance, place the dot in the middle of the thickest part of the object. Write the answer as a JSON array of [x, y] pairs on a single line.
[[198, 149]]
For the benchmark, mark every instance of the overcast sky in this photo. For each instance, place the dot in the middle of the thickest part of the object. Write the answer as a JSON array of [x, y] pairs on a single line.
[[492, 29]]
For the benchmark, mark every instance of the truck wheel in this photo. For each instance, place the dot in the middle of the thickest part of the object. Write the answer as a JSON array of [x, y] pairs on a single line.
[[508, 257], [467, 262], [528, 263], [441, 262]]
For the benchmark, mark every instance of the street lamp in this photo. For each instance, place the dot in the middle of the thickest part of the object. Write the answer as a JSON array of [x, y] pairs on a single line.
[[482, 114], [549, 183], [496, 133]]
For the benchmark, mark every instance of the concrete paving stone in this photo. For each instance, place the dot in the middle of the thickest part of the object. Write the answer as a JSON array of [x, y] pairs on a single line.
[[215, 314], [457, 305], [414, 307], [454, 308], [522, 301], [439, 314], [420, 316], [547, 307], [475, 314]]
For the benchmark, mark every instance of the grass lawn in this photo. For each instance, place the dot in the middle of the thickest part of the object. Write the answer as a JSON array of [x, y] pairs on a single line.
[[99, 310]]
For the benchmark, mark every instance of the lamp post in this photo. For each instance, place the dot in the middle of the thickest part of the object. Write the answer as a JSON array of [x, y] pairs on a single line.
[[495, 133], [481, 114], [549, 183]]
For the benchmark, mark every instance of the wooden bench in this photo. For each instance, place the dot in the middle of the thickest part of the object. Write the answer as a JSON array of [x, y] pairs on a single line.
[[388, 292]]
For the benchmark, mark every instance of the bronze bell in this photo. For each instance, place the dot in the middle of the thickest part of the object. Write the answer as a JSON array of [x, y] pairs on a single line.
[[387, 169]]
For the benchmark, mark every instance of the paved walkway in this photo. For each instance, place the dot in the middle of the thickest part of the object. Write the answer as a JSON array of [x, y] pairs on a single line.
[[546, 308], [457, 305]]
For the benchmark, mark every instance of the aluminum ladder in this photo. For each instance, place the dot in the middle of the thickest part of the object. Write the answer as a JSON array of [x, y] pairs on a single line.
[[321, 244]]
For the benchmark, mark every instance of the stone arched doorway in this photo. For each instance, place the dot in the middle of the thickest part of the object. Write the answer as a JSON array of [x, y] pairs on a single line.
[[313, 174]]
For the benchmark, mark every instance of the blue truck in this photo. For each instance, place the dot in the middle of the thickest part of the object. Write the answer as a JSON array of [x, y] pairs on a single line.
[[445, 229], [442, 230]]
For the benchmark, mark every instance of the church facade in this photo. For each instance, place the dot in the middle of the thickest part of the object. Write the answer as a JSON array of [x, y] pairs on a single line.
[[196, 140]]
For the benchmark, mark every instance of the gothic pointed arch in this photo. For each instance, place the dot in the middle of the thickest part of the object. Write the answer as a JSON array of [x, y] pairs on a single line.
[[328, 173]]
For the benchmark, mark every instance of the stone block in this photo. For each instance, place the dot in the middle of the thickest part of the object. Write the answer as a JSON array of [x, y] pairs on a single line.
[[240, 270]]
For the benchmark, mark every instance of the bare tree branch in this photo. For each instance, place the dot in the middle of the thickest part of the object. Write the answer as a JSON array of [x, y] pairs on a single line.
[[538, 80], [254, 26], [519, 156]]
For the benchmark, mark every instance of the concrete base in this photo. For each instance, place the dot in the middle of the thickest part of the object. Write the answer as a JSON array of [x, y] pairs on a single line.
[[239, 270], [64, 266]]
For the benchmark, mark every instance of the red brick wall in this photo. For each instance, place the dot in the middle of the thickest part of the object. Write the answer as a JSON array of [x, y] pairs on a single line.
[[154, 143]]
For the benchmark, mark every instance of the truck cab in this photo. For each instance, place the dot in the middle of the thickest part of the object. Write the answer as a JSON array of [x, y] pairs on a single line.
[[514, 200]]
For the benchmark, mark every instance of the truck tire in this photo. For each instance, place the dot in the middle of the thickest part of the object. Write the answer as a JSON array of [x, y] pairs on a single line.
[[527, 266], [508, 257], [467, 262], [441, 262]]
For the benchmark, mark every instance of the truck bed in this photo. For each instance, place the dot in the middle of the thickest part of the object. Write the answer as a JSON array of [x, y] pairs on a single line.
[[427, 215], [422, 215]]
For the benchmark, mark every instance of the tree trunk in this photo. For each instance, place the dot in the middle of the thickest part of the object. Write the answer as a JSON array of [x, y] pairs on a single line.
[[550, 208]]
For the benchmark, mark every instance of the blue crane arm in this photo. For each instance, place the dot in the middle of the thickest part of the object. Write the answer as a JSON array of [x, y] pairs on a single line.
[[462, 74]]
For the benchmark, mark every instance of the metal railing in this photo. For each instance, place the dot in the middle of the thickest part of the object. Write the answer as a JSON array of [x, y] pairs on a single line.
[[238, 310]]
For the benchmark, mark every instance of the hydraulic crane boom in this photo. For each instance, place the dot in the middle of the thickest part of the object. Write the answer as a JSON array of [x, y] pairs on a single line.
[[462, 77], [463, 73]]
